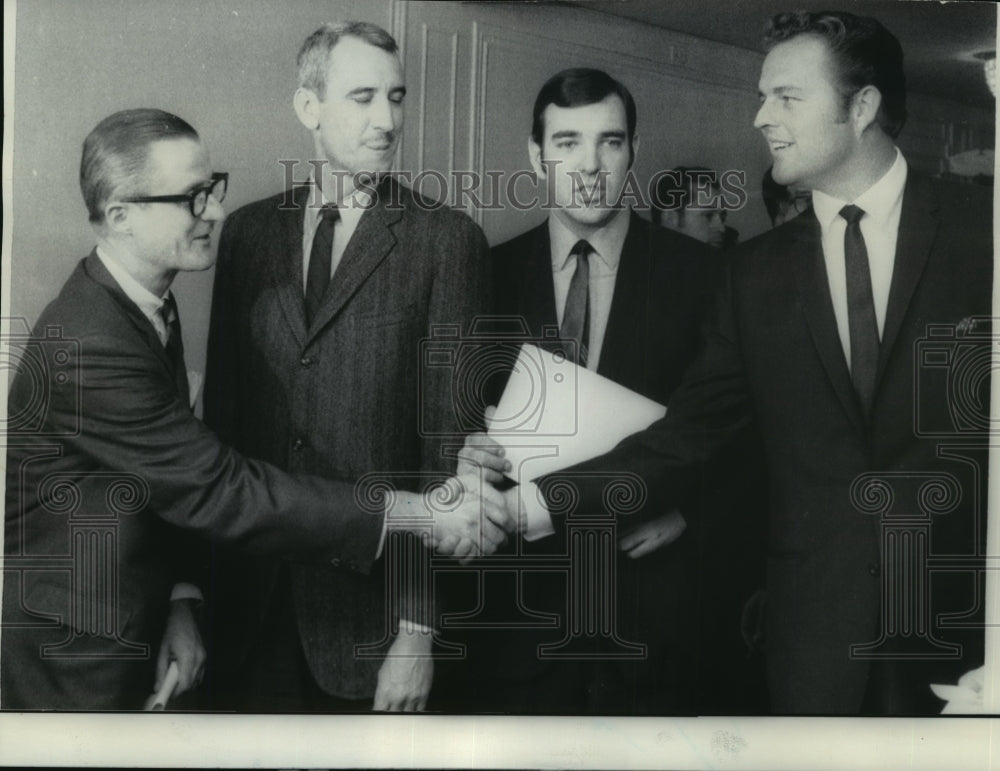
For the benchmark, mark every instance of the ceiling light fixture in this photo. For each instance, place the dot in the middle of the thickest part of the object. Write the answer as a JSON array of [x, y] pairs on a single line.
[[989, 59]]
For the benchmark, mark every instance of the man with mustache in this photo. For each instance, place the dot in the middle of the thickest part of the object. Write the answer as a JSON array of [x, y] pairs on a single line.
[[627, 298], [857, 336], [107, 466], [322, 297]]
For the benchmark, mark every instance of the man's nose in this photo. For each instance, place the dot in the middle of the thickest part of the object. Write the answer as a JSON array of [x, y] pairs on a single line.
[[589, 159], [381, 116], [763, 117], [213, 210]]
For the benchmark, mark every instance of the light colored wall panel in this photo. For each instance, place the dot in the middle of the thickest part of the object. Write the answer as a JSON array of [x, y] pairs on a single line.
[[226, 66]]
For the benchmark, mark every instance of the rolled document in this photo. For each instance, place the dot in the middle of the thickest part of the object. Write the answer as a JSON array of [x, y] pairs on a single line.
[[158, 701]]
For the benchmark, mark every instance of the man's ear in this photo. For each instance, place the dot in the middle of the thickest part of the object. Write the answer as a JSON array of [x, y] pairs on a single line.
[[306, 103], [116, 218], [535, 156], [864, 108]]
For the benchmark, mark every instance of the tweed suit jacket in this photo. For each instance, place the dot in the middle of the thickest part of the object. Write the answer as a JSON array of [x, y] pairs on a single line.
[[344, 397]]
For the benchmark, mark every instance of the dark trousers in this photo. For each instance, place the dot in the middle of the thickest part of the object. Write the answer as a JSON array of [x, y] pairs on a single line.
[[276, 677]]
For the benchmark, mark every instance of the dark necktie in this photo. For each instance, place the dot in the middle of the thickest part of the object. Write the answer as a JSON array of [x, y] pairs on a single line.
[[860, 309], [175, 345], [318, 276], [576, 315]]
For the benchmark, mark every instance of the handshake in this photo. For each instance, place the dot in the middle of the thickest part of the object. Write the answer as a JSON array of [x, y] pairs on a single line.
[[471, 517]]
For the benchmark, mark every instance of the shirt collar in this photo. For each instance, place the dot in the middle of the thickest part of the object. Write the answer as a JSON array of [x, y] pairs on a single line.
[[351, 208], [878, 202], [148, 302], [607, 242]]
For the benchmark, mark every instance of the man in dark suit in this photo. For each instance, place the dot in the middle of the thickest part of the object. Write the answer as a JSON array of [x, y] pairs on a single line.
[[324, 296], [853, 335], [107, 465], [628, 299]]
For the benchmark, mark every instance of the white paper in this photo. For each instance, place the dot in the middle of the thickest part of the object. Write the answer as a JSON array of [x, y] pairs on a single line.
[[554, 414]]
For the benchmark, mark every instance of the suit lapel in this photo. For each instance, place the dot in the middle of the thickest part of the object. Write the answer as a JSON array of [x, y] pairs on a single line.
[[537, 293], [371, 243], [628, 305], [918, 224], [285, 261], [96, 270], [806, 255]]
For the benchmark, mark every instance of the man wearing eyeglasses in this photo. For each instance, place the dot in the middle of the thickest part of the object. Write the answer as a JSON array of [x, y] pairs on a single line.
[[108, 471]]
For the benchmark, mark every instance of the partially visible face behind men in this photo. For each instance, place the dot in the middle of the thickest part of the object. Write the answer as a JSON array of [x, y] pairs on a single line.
[[802, 116], [587, 139], [705, 225], [166, 236], [361, 115]]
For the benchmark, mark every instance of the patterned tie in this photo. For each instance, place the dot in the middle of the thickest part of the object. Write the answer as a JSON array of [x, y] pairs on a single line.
[[318, 276], [860, 309], [175, 345], [576, 316]]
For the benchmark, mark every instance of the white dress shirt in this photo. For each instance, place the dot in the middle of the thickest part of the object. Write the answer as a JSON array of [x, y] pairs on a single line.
[[148, 302], [350, 210], [882, 204], [150, 306], [607, 246]]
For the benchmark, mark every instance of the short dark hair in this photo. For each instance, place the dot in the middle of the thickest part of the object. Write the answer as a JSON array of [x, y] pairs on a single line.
[[675, 189], [865, 53], [577, 87], [314, 56], [114, 158]]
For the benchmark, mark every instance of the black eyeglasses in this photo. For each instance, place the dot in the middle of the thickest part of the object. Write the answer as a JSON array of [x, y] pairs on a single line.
[[197, 199]]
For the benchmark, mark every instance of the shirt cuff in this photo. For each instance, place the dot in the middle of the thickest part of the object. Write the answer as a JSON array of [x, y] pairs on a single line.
[[412, 627], [186, 592], [537, 521], [385, 528]]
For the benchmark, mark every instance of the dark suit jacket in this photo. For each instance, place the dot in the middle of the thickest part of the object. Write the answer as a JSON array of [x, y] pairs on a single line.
[[662, 293], [105, 454], [773, 351], [345, 397]]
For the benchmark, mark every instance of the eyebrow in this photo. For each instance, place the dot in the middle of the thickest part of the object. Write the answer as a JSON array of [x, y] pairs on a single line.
[[370, 91], [780, 90], [206, 182]]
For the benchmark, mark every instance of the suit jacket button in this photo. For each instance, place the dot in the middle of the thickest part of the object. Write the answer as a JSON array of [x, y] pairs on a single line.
[[297, 445], [335, 562], [873, 569], [305, 361]]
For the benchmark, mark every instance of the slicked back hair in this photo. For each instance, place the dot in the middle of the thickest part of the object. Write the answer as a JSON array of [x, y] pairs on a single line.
[[314, 56], [578, 87], [863, 51], [113, 165]]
